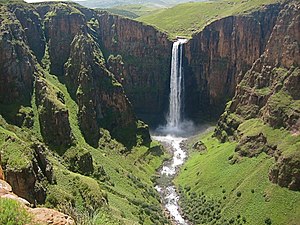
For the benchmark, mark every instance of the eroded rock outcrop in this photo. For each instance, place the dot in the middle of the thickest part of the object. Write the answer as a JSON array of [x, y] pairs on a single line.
[[286, 172], [53, 115], [79, 161], [26, 168], [252, 146]]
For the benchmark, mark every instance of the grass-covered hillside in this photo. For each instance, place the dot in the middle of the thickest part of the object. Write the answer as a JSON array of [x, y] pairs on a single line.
[[134, 10], [218, 186], [113, 188], [189, 18], [116, 3]]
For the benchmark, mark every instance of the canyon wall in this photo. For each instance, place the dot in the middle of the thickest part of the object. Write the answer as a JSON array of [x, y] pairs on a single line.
[[218, 56], [144, 68]]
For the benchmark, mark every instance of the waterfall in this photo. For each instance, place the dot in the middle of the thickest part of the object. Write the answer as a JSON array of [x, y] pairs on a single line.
[[175, 115]]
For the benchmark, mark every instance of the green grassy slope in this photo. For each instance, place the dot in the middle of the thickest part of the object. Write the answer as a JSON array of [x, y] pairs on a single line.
[[189, 18], [126, 181], [127, 178], [134, 10], [238, 193]]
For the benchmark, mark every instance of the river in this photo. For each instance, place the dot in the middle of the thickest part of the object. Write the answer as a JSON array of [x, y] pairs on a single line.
[[172, 141]]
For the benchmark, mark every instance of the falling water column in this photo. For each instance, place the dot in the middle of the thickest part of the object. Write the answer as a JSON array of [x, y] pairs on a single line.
[[175, 114]]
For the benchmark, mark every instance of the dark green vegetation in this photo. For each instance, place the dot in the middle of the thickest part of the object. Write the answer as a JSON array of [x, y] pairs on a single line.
[[69, 138], [189, 18], [221, 187]]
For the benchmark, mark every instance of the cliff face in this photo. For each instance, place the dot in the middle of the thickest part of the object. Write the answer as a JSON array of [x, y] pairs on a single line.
[[62, 23], [101, 99], [32, 26], [146, 55], [17, 66], [53, 115], [269, 92], [76, 57], [218, 57]]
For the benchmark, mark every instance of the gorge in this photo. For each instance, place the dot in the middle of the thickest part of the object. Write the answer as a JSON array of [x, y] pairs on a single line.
[[76, 85]]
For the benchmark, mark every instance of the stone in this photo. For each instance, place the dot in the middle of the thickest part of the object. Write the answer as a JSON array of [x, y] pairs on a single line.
[[199, 146], [286, 172], [50, 216], [252, 146]]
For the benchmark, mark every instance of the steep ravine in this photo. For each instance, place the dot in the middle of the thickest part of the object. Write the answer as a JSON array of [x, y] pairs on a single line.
[[69, 100]]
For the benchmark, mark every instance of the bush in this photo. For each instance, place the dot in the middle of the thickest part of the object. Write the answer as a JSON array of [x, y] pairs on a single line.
[[187, 188], [12, 213], [238, 194], [268, 221]]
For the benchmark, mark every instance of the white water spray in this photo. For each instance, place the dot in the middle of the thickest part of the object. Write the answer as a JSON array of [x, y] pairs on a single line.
[[175, 115]]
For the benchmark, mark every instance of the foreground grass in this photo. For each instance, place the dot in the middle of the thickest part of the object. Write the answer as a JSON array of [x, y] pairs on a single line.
[[242, 191], [12, 213], [190, 18]]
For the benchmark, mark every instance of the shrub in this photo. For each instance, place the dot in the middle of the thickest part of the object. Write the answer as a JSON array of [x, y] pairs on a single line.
[[12, 213], [238, 194], [187, 188], [244, 219], [268, 221]]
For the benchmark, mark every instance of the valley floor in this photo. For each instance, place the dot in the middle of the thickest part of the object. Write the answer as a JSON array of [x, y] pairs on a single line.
[[218, 187]]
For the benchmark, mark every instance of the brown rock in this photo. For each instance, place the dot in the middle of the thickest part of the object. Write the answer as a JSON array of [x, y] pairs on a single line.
[[32, 26], [15, 197], [50, 216], [6, 192], [101, 99], [266, 91], [5, 187], [286, 172], [1, 173]]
